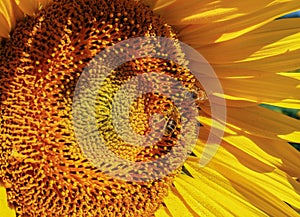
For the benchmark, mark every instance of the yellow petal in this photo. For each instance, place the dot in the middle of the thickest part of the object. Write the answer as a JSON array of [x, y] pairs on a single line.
[[28, 6], [208, 122], [259, 157], [295, 75], [5, 210], [163, 212], [176, 206], [218, 21], [157, 4], [212, 195], [224, 71], [266, 191], [277, 37], [277, 63], [260, 154], [271, 152], [266, 89], [287, 103], [4, 27], [249, 85], [9, 13], [262, 122], [276, 50], [195, 12]]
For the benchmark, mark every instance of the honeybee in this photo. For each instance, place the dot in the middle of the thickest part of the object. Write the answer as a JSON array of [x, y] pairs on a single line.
[[198, 95], [172, 121], [170, 126]]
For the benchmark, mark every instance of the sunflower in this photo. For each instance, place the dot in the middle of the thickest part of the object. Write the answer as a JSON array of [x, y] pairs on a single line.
[[45, 47]]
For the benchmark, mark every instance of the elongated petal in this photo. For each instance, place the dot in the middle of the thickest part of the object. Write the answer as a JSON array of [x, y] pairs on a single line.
[[277, 37], [28, 6], [243, 87], [4, 28], [177, 207], [221, 20], [260, 158], [266, 89], [260, 154], [163, 212], [9, 14], [255, 120], [278, 63], [269, 188], [295, 75], [213, 196], [278, 153], [5, 210]]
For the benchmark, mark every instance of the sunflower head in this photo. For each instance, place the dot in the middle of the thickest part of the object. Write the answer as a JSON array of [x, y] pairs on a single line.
[[41, 162], [48, 60]]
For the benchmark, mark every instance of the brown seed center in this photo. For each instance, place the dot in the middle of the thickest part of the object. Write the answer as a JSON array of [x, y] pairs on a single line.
[[42, 166]]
